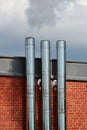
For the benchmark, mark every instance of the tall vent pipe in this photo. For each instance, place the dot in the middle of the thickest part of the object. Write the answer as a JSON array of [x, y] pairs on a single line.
[[61, 83], [30, 73], [45, 54]]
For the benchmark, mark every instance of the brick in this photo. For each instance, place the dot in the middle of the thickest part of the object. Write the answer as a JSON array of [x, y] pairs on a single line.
[[13, 105]]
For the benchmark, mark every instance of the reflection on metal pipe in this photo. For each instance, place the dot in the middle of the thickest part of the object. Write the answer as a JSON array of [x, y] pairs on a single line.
[[39, 82], [54, 82], [30, 73], [61, 77], [45, 53]]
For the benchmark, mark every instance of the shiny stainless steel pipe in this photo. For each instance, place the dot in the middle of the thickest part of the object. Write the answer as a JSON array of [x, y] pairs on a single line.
[[61, 82], [30, 74], [45, 54]]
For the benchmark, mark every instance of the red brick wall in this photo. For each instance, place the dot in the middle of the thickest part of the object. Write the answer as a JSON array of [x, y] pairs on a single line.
[[54, 108], [76, 105], [13, 105], [38, 107]]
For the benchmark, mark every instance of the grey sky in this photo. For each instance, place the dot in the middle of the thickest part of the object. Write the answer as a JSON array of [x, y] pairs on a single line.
[[46, 19]]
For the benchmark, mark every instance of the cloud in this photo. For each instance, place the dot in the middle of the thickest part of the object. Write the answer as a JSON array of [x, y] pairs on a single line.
[[13, 26], [47, 19], [12, 11], [43, 12], [48, 12], [72, 28], [82, 2]]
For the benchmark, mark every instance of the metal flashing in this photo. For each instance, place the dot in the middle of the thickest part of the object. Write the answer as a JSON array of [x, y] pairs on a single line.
[[15, 66], [74, 70], [12, 66]]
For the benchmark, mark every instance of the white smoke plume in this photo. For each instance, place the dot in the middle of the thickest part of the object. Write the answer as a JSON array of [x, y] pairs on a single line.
[[43, 12]]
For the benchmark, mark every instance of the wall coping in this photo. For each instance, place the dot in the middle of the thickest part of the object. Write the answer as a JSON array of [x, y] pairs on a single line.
[[16, 66]]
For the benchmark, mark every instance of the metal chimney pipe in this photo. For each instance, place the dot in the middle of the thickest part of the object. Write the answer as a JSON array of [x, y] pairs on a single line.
[[30, 74], [45, 54], [61, 82]]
